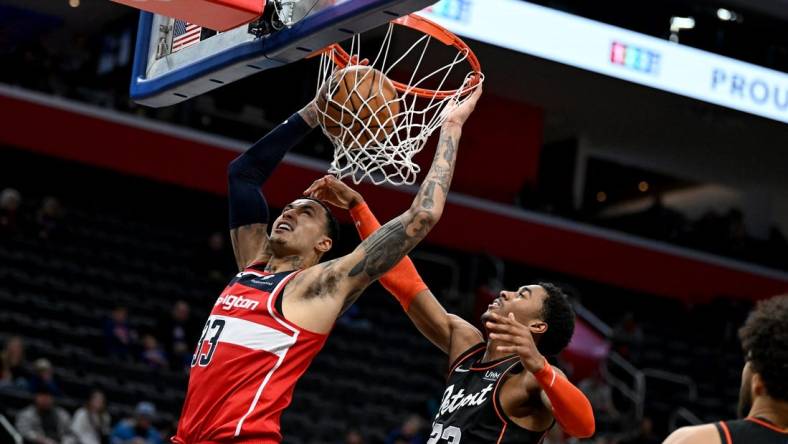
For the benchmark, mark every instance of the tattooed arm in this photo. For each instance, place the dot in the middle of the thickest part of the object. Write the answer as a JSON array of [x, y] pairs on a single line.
[[450, 333], [346, 277]]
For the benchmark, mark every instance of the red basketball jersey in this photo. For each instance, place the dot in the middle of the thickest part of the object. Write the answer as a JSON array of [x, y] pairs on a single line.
[[246, 364]]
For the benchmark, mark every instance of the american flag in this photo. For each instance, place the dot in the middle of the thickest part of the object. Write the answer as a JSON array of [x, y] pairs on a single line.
[[184, 34]]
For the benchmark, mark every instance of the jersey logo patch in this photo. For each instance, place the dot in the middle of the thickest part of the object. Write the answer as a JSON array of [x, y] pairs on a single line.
[[491, 375], [453, 401], [263, 280]]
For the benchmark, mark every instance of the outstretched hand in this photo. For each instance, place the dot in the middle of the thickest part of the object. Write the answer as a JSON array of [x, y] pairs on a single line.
[[456, 113], [332, 190], [515, 338]]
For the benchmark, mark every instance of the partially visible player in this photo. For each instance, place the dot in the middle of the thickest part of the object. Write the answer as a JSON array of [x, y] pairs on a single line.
[[763, 399], [501, 390], [274, 316]]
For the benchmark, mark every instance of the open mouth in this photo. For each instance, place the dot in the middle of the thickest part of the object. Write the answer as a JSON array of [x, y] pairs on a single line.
[[495, 304], [283, 226]]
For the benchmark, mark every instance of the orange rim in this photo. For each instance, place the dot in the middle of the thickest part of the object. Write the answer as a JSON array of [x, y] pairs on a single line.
[[341, 58]]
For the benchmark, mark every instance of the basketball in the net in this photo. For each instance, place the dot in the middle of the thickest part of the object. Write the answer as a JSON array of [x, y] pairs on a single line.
[[359, 105]]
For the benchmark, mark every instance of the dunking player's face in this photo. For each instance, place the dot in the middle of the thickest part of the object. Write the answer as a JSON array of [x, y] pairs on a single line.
[[300, 230], [526, 304]]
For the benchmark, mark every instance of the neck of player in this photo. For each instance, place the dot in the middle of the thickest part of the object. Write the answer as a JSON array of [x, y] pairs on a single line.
[[771, 410], [492, 353], [288, 263]]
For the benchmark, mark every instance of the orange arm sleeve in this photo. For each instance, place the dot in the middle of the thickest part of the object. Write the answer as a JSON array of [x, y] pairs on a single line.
[[571, 408], [402, 281]]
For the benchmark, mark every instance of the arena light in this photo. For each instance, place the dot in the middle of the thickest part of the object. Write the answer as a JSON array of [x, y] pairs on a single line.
[[643, 186], [677, 24], [73, 3], [726, 15]]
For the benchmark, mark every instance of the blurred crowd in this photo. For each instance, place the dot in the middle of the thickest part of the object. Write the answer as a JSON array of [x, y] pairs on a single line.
[[168, 344], [45, 222], [44, 421]]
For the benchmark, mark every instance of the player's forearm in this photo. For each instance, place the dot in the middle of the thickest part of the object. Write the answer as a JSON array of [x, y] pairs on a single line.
[[388, 245], [571, 408], [432, 195], [249, 171], [405, 284], [393, 241], [310, 115], [402, 281]]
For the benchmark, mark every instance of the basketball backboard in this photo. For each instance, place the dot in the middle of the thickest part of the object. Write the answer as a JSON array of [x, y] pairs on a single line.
[[175, 60]]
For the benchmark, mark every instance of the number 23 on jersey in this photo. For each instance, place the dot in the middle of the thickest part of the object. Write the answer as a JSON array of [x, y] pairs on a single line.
[[441, 434]]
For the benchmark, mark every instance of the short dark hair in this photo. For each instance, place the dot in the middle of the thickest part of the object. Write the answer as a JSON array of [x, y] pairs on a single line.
[[332, 225], [559, 315], [764, 339]]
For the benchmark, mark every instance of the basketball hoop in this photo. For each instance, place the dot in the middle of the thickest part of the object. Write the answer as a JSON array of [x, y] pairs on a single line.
[[376, 143]]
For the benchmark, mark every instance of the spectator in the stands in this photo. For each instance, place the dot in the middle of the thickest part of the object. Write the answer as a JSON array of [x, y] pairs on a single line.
[[92, 423], [599, 393], [153, 354], [49, 218], [43, 422], [179, 333], [117, 334], [139, 429], [628, 337], [13, 367], [10, 199], [408, 433], [43, 377]]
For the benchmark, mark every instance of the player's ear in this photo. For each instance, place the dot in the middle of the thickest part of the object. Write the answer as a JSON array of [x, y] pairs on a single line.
[[757, 387], [537, 327], [324, 244]]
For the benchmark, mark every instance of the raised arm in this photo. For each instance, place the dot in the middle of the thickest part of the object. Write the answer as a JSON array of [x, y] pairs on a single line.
[[346, 277], [448, 332], [247, 174]]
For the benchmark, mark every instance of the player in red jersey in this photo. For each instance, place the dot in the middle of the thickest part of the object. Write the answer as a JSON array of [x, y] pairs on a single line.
[[274, 316], [763, 398], [501, 390]]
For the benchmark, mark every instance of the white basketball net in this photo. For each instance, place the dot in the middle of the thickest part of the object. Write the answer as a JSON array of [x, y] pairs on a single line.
[[387, 156]]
